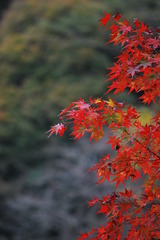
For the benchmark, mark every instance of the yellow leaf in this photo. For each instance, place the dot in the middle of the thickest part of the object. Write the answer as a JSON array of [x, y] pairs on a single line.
[[110, 102]]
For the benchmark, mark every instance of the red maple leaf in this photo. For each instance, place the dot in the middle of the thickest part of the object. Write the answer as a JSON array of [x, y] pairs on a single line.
[[105, 19], [58, 128]]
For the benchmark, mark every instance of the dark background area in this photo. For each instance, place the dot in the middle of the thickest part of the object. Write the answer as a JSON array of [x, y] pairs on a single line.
[[51, 53]]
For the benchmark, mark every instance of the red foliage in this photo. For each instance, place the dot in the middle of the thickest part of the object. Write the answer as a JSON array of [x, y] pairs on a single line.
[[138, 146], [105, 19]]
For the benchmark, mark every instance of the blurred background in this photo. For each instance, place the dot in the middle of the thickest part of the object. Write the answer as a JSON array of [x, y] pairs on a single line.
[[52, 52]]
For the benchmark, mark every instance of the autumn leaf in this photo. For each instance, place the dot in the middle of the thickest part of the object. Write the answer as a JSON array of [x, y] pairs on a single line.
[[110, 103], [58, 128], [93, 202], [117, 16], [103, 21]]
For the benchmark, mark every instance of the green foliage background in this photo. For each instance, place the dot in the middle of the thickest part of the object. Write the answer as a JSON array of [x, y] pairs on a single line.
[[51, 53]]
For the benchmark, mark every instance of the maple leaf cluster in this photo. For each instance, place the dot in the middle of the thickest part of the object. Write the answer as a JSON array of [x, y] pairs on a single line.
[[138, 65], [138, 146]]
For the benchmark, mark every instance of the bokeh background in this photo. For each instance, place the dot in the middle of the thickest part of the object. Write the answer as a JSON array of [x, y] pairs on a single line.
[[52, 52]]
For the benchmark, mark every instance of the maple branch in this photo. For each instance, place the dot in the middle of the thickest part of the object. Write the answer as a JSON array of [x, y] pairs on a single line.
[[143, 145], [136, 68]]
